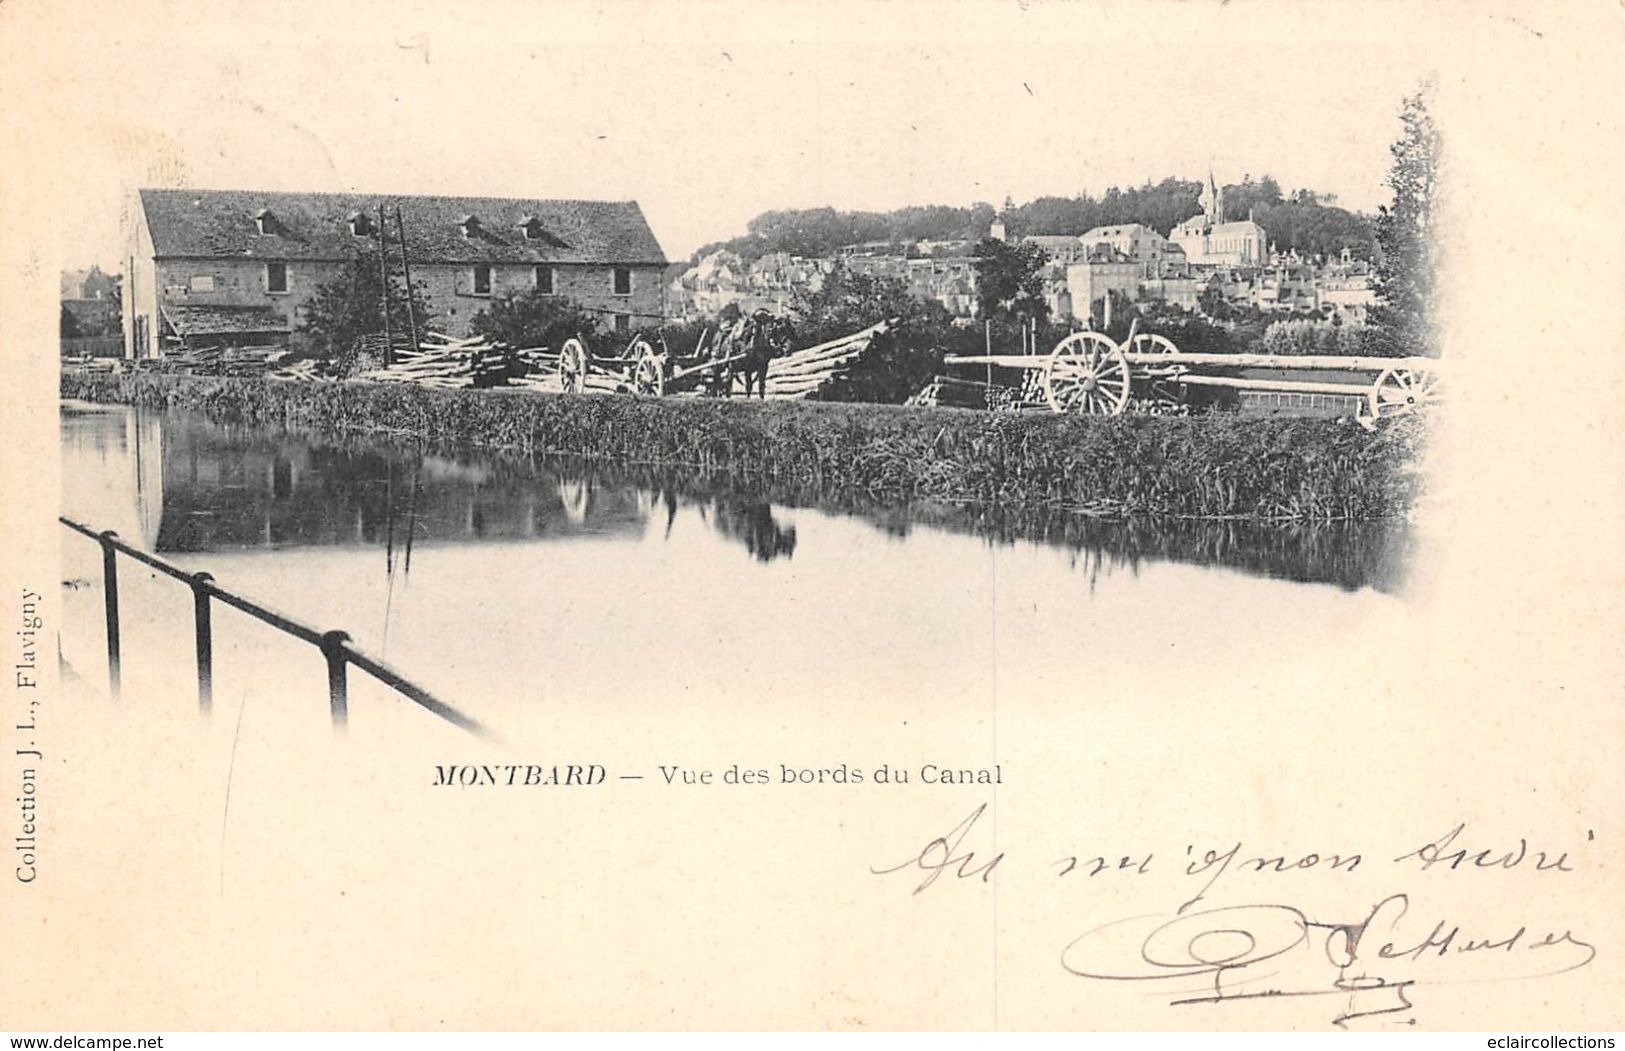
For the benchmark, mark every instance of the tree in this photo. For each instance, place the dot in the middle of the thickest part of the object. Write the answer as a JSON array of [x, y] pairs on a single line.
[[351, 305], [848, 301], [1405, 315], [898, 362], [1009, 280], [68, 326], [532, 319]]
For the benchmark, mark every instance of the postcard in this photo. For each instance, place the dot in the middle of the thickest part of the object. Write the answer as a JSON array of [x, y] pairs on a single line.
[[849, 516]]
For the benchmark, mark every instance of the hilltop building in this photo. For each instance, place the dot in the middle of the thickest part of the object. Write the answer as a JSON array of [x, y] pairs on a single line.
[[1207, 239], [236, 266]]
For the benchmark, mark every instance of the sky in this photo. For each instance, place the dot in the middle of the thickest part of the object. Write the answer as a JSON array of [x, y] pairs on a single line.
[[709, 113]]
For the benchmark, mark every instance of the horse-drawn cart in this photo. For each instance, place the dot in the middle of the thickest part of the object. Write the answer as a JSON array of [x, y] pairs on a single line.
[[738, 352], [1092, 374]]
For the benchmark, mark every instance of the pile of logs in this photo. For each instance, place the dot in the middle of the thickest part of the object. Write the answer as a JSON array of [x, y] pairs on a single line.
[[372, 345], [300, 370], [86, 363], [222, 361], [440, 361], [802, 372], [964, 394]]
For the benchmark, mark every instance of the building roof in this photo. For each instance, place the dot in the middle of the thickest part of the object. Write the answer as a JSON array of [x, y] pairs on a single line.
[[1119, 230], [1239, 226], [1052, 240], [1105, 253], [193, 320], [212, 224]]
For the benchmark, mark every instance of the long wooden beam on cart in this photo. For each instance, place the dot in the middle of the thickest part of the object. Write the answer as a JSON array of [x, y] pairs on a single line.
[[1253, 361], [706, 366], [1352, 390]]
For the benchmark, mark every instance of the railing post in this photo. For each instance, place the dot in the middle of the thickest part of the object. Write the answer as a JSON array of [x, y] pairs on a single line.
[[205, 642], [110, 601], [337, 689]]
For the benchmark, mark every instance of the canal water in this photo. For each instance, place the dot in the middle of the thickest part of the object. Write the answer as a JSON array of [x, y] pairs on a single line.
[[758, 648], [509, 587]]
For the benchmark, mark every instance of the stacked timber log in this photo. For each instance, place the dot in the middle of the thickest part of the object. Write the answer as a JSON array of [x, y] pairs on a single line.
[[964, 394], [222, 361], [372, 344], [308, 369], [803, 372], [440, 361], [86, 363]]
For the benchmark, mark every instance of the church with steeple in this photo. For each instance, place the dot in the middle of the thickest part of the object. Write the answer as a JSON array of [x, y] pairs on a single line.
[[1208, 239]]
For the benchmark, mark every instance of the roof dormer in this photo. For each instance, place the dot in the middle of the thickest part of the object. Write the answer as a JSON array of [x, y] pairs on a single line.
[[532, 227], [360, 223], [265, 222], [470, 226]]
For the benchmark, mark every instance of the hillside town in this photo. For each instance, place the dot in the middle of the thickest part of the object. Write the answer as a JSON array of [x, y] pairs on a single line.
[[1209, 257]]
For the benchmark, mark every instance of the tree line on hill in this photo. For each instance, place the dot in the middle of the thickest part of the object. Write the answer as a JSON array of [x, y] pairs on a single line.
[[1012, 306], [1311, 222]]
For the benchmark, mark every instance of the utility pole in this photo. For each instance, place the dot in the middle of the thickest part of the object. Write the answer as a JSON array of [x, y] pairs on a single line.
[[383, 280], [406, 269]]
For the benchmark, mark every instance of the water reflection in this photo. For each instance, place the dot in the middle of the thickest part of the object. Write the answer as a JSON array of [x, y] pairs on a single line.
[[189, 484]]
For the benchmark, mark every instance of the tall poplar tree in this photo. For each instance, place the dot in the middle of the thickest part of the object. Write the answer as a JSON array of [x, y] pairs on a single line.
[[1405, 317]]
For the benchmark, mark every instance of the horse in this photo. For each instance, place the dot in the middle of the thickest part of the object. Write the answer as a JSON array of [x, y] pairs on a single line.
[[761, 337]]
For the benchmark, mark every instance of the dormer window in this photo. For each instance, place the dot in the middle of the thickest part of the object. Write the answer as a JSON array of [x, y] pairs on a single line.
[[532, 227], [265, 221], [470, 226], [360, 224]]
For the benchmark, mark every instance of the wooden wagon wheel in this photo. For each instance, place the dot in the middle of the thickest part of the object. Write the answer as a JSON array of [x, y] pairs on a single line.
[[649, 371], [1150, 343], [573, 365], [1162, 379], [1087, 373], [1399, 392]]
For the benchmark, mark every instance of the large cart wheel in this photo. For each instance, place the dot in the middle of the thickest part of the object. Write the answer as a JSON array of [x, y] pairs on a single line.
[[1151, 343], [649, 370], [573, 366], [1088, 374], [1399, 392], [1162, 389]]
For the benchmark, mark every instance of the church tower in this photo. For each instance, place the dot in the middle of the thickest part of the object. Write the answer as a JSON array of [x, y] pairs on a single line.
[[1212, 201]]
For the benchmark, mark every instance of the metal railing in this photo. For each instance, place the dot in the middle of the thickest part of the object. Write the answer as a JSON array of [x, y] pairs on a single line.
[[336, 648]]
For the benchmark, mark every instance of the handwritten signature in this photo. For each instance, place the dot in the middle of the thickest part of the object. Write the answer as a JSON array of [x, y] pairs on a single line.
[[1251, 952]]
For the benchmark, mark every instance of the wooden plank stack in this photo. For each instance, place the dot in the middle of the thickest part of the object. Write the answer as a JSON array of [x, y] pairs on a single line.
[[965, 394], [804, 372], [308, 369], [441, 361], [222, 361]]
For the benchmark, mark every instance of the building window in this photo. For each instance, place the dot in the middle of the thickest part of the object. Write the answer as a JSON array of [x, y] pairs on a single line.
[[276, 278], [482, 280], [202, 283], [623, 322], [546, 281], [623, 280]]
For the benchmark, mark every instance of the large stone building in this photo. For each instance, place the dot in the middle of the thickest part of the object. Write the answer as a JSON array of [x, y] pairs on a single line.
[[1103, 270], [213, 266], [1208, 239], [1143, 245]]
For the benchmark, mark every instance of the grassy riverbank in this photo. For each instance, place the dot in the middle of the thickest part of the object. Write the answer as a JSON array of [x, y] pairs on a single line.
[[1217, 465]]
